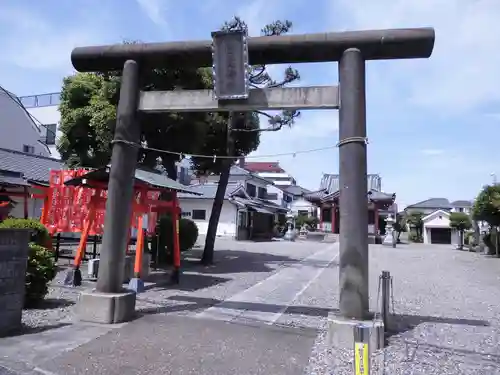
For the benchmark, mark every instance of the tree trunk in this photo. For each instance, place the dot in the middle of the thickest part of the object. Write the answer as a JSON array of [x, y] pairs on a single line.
[[171, 170], [461, 239], [208, 252]]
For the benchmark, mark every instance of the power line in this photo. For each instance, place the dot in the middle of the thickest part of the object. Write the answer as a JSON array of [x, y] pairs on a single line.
[[185, 154]]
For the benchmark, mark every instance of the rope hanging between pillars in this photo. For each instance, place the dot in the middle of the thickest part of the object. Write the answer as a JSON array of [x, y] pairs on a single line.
[[352, 140]]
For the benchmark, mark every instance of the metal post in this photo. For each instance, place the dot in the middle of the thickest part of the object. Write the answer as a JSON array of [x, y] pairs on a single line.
[[94, 247], [386, 295], [58, 246], [353, 263], [361, 350], [121, 181]]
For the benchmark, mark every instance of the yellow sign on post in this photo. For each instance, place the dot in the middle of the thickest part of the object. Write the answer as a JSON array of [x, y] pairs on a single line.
[[177, 226], [361, 359]]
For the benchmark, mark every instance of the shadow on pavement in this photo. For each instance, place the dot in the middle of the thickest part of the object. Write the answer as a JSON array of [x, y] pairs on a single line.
[[199, 303], [402, 322], [236, 261], [26, 330], [189, 282], [52, 303]]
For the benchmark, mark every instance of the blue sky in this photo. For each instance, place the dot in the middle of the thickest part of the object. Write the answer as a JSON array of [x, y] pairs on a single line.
[[431, 123]]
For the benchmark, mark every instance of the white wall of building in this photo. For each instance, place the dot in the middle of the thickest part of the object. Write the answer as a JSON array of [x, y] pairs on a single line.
[[301, 204], [48, 115], [438, 219], [19, 132], [280, 179], [228, 217]]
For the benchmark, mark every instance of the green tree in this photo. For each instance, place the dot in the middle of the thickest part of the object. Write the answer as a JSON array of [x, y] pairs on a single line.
[[460, 222], [238, 126], [487, 208], [414, 219], [88, 118], [399, 225]]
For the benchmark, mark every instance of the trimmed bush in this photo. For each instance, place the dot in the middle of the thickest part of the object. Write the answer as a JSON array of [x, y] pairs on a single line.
[[40, 271], [39, 235], [188, 234], [41, 267]]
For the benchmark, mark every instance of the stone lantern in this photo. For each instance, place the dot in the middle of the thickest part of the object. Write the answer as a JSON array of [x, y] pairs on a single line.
[[390, 238], [290, 233]]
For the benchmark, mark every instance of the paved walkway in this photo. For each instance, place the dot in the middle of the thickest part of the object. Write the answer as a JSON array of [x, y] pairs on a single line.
[[199, 335]]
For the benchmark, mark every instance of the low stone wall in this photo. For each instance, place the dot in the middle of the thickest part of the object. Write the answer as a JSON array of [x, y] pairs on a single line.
[[13, 260]]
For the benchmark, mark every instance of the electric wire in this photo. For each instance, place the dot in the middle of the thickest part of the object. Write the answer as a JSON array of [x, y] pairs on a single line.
[[186, 154]]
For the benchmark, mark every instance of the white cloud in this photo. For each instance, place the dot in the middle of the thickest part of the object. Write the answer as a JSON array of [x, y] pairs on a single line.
[[462, 73], [154, 9], [34, 42]]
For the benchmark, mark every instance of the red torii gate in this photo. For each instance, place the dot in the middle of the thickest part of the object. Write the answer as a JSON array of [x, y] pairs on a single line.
[[75, 201]]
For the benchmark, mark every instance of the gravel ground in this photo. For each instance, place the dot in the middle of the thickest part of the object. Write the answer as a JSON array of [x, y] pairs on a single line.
[[446, 314]]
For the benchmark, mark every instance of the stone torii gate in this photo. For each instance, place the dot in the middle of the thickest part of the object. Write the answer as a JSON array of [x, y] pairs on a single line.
[[110, 303]]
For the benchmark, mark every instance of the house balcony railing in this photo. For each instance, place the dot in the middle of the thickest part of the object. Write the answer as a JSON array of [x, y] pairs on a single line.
[[42, 100]]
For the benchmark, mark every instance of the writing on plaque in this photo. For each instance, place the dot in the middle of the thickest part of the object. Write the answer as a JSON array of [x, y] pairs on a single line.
[[230, 65]]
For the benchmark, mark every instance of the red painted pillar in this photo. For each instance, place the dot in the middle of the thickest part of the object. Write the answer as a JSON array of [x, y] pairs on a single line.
[[333, 209], [25, 202]]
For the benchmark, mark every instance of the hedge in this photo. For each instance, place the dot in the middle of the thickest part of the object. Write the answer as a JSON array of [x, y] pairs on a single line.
[[41, 267]]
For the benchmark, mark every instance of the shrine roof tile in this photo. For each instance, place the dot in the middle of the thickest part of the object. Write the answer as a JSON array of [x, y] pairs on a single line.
[[33, 167]]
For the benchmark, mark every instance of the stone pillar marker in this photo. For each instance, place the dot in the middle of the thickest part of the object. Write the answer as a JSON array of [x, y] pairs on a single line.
[[110, 302], [353, 259], [14, 252]]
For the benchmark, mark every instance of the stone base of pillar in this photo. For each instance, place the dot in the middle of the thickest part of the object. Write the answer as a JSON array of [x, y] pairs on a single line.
[[73, 277], [389, 240], [106, 308], [137, 285], [341, 332]]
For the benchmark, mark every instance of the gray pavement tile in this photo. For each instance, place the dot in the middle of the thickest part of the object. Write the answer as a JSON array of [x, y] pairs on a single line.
[[162, 344]]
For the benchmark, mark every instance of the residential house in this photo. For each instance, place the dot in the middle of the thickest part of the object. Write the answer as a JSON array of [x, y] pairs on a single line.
[[246, 211], [44, 109], [436, 219], [284, 190], [299, 205], [270, 171], [19, 130]]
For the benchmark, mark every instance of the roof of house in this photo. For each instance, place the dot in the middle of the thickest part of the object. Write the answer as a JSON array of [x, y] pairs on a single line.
[[238, 171], [264, 166], [33, 167], [461, 203], [295, 190], [151, 178], [372, 195], [209, 189], [432, 203]]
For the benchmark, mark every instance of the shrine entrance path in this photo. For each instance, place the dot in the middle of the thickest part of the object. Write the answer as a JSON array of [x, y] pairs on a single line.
[[219, 320]]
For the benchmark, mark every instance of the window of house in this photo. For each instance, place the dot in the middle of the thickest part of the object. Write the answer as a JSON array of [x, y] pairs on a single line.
[[461, 209], [262, 192], [251, 190], [303, 213], [199, 214], [185, 214], [272, 196], [29, 149], [50, 138]]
